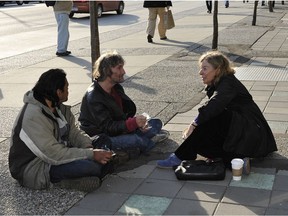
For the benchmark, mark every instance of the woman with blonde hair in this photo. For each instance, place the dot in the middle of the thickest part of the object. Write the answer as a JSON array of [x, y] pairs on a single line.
[[229, 124]]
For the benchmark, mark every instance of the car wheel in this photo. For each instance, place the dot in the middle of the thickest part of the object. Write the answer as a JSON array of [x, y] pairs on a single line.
[[99, 10], [120, 8], [71, 14], [19, 2], [2, 3]]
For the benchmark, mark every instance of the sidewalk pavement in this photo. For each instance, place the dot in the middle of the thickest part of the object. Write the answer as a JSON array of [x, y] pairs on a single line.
[[147, 190]]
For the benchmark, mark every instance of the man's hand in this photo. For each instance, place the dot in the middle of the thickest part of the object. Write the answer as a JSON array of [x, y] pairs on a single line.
[[141, 121], [102, 156]]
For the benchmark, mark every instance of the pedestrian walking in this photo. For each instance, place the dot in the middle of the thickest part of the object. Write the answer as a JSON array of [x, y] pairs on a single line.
[[226, 3], [62, 10], [209, 6], [156, 8]]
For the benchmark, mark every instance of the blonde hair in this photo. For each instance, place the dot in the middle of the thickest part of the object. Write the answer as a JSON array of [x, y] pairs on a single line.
[[104, 63], [218, 61]]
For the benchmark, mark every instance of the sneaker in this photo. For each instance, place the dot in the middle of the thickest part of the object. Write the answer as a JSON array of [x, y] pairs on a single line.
[[164, 38], [85, 184], [170, 162], [161, 136], [246, 166]]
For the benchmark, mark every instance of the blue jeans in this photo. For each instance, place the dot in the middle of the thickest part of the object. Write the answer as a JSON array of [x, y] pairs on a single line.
[[138, 139], [63, 31], [75, 169]]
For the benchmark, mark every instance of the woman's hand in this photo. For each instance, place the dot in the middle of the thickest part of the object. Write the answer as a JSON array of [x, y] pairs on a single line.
[[102, 156], [188, 131]]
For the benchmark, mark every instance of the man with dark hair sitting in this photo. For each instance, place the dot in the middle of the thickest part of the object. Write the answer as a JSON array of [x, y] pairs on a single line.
[[47, 147]]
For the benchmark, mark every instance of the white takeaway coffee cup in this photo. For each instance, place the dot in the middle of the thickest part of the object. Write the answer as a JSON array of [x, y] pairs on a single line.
[[237, 168]]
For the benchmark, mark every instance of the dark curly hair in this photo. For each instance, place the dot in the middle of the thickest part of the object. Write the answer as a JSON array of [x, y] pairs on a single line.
[[48, 84]]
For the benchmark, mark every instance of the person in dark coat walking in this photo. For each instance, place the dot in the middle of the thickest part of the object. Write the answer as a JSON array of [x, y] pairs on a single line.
[[156, 8], [229, 125], [209, 6]]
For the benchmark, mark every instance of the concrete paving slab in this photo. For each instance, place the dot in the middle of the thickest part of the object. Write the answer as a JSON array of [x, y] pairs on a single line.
[[255, 180], [261, 104], [279, 200], [282, 172], [277, 104], [201, 192], [79, 211], [231, 209], [102, 201], [262, 74], [164, 174], [181, 120], [12, 95], [119, 184], [273, 211], [156, 187], [278, 127], [278, 110], [276, 117], [247, 196], [140, 172], [190, 207], [175, 127], [144, 205], [281, 183]]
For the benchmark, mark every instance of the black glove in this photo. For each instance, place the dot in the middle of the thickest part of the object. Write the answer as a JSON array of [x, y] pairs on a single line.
[[102, 141]]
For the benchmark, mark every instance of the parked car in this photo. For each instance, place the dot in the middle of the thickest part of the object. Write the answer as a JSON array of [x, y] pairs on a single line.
[[103, 6], [2, 3]]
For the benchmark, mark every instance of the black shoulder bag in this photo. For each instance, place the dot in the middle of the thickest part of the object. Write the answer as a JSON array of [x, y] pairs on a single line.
[[200, 170]]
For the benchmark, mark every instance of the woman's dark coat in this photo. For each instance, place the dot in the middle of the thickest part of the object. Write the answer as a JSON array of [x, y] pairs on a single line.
[[249, 132], [150, 4]]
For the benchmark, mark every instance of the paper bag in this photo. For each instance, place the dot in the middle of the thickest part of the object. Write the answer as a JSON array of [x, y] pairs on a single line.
[[169, 20]]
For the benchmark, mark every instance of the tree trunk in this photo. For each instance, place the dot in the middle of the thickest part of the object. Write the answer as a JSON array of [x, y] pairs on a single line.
[[255, 13], [215, 26], [95, 44]]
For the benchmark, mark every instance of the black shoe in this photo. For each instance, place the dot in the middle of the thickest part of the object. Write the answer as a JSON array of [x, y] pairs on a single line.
[[164, 38], [86, 184], [149, 39], [63, 53], [107, 169]]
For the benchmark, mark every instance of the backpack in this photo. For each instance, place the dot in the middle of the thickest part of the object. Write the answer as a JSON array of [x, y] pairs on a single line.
[[50, 3]]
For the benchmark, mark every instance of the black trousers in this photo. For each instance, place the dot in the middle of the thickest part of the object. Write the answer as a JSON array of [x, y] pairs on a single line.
[[207, 140], [209, 5]]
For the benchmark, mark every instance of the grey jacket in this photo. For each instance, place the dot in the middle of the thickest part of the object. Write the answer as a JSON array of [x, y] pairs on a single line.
[[35, 146]]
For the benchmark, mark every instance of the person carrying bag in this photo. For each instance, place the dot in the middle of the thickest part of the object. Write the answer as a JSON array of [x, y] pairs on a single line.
[[168, 19]]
